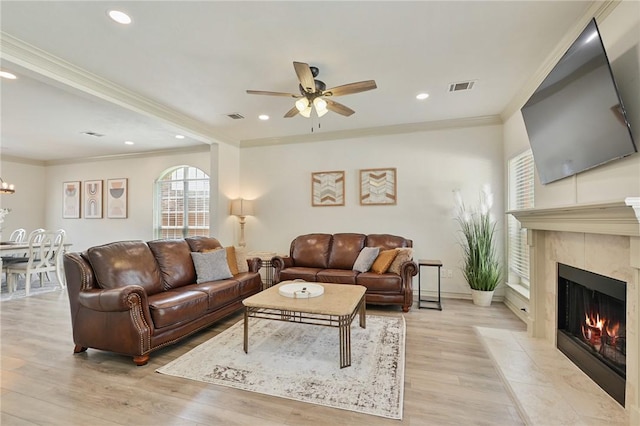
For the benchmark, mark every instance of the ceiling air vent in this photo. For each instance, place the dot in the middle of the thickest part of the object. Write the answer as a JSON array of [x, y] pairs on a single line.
[[97, 135], [235, 116], [462, 85]]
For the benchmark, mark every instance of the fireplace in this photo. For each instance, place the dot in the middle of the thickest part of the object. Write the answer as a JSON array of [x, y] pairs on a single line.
[[592, 326]]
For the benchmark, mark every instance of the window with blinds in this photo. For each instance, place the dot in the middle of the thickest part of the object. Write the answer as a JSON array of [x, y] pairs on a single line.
[[521, 196], [182, 203]]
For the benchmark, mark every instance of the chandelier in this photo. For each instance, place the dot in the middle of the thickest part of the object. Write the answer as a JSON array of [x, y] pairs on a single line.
[[6, 188]]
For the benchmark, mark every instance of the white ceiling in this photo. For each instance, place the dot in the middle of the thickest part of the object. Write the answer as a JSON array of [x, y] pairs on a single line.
[[181, 67]]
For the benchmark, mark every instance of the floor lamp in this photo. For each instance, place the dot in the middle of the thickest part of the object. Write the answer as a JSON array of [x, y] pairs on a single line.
[[242, 209]]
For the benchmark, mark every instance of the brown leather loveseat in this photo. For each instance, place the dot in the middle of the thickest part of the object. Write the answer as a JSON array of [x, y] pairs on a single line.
[[330, 259], [133, 297]]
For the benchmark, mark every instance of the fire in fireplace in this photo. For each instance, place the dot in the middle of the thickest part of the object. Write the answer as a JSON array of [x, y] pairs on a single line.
[[592, 326]]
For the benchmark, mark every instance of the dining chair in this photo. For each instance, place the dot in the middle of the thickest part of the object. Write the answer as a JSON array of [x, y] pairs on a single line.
[[45, 249], [18, 235]]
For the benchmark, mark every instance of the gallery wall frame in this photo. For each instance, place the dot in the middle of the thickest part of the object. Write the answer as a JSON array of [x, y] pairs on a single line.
[[117, 194], [71, 200], [378, 187], [327, 189], [92, 203]]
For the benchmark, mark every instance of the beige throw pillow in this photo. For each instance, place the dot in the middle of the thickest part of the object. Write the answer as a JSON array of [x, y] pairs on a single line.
[[404, 255], [241, 259]]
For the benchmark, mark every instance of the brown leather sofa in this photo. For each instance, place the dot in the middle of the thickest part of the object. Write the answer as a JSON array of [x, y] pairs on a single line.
[[133, 297], [330, 259]]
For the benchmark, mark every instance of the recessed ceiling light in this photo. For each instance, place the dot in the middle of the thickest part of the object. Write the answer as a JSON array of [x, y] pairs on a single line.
[[179, 137], [5, 74], [263, 117], [128, 143], [119, 17], [422, 96]]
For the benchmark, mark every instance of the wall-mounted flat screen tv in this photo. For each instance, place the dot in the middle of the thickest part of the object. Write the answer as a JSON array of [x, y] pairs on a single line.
[[575, 119]]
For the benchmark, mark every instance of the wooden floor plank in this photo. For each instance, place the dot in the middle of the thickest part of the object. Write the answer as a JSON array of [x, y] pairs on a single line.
[[449, 377]]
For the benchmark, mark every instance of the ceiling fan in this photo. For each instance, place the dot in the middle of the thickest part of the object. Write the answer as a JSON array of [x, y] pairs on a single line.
[[314, 93]]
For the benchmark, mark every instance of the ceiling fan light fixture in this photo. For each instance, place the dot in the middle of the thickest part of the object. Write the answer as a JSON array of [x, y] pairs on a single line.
[[321, 106], [306, 113], [302, 104]]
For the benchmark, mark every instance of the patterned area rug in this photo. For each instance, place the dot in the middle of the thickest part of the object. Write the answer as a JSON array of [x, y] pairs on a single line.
[[301, 362]]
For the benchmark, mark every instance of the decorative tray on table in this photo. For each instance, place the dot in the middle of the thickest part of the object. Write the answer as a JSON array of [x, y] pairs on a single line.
[[301, 290]]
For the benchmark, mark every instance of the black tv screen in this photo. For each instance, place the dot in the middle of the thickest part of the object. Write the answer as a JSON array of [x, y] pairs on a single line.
[[575, 119]]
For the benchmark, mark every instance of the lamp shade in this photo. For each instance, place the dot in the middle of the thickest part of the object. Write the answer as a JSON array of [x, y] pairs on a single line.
[[242, 207]]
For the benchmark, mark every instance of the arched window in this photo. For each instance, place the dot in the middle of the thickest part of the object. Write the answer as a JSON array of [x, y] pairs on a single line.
[[182, 203]]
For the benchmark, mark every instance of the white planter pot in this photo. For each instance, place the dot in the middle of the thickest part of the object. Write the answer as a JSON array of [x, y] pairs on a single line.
[[481, 298]]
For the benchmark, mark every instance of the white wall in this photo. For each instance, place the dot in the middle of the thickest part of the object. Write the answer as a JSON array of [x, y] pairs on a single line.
[[37, 202], [430, 165], [28, 203]]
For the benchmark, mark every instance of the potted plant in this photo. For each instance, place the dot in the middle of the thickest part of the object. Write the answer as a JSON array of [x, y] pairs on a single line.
[[481, 268]]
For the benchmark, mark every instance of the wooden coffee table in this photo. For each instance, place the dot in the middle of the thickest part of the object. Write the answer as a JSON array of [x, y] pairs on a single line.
[[337, 307]]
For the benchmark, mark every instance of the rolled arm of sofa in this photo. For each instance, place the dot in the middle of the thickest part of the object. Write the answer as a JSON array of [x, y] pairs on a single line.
[[113, 300], [254, 264], [279, 263]]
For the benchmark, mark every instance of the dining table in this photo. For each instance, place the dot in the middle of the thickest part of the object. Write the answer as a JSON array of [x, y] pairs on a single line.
[[9, 248]]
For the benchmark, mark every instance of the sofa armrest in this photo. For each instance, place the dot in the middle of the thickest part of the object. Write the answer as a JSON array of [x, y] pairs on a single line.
[[113, 300], [279, 263], [255, 264]]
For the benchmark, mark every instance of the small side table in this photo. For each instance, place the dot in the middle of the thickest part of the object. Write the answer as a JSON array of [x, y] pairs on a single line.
[[435, 304], [265, 256]]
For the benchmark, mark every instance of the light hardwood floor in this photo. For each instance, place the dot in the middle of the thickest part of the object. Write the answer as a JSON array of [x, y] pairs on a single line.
[[449, 378]]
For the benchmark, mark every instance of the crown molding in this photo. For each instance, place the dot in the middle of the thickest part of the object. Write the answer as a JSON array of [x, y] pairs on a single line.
[[599, 10], [612, 218], [131, 155], [21, 160], [41, 62], [426, 126]]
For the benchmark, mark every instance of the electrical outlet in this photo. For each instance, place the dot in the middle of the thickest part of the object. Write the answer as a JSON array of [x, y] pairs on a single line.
[[449, 273]]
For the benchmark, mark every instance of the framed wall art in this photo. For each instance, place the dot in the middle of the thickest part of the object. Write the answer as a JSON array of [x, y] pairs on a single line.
[[92, 199], [117, 198], [327, 189], [71, 200], [378, 187]]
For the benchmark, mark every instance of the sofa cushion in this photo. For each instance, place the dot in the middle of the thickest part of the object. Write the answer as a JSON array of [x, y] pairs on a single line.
[[174, 260], [211, 266], [311, 250], [380, 283], [387, 241], [404, 255], [383, 261], [337, 276], [220, 293], [345, 249], [125, 263], [177, 306], [202, 243], [365, 259], [294, 273]]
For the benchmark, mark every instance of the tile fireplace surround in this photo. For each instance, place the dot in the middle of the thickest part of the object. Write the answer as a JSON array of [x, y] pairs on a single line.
[[602, 238]]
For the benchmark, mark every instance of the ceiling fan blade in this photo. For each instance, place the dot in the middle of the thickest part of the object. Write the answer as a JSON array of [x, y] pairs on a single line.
[[291, 113], [347, 89], [305, 76], [263, 92], [339, 108]]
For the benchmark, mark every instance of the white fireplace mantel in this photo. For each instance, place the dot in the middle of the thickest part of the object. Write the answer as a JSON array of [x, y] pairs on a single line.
[[612, 218]]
